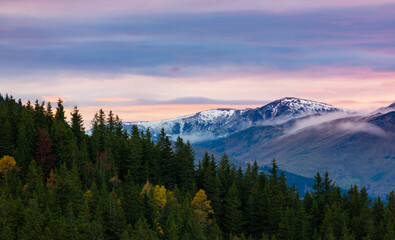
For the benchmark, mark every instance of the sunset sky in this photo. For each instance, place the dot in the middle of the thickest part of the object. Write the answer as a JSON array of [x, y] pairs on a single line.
[[157, 59]]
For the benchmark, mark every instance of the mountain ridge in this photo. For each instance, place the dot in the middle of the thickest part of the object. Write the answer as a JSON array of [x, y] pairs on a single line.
[[219, 123], [304, 136]]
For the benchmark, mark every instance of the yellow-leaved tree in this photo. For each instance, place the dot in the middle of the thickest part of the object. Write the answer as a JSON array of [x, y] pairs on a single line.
[[201, 206], [160, 197], [157, 194], [7, 164]]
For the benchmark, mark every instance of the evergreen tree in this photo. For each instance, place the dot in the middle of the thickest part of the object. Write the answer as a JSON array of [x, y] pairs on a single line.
[[184, 164], [379, 220], [131, 201], [390, 216], [22, 154], [166, 159], [136, 164], [6, 139], [142, 231], [232, 220], [77, 126], [99, 132]]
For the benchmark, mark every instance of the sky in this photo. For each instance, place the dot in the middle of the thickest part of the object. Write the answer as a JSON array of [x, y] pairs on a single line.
[[152, 60]]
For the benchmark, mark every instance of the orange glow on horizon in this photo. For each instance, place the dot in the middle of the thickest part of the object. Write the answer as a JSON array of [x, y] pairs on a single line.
[[155, 112]]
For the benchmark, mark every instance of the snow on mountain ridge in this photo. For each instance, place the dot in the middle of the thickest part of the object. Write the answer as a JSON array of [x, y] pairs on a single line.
[[298, 104], [211, 115], [219, 123]]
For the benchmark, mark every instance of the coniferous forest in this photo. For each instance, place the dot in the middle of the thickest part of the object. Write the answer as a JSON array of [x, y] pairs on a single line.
[[57, 182]]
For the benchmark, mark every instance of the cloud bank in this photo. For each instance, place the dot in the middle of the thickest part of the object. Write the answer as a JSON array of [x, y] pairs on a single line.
[[131, 55]]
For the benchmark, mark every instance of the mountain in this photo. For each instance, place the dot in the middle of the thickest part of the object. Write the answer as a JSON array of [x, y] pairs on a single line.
[[382, 110], [221, 123], [356, 150], [303, 136]]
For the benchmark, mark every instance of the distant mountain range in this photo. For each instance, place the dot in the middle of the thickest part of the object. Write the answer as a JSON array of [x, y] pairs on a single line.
[[303, 136], [221, 123]]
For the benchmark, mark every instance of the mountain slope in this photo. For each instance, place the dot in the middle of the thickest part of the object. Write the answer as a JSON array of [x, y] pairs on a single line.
[[220, 123], [383, 110], [355, 150]]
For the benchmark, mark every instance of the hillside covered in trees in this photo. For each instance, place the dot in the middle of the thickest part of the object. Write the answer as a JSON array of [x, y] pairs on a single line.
[[56, 182]]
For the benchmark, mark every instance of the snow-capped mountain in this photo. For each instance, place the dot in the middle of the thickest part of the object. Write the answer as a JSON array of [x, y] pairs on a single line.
[[220, 123]]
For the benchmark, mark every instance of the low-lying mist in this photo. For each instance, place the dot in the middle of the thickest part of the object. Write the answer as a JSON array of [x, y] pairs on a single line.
[[340, 122]]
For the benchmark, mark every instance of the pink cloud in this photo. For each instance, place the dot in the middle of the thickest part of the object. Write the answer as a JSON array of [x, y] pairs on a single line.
[[112, 99], [50, 8]]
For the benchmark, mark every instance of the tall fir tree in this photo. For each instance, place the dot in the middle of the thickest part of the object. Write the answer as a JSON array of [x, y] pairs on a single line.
[[232, 220]]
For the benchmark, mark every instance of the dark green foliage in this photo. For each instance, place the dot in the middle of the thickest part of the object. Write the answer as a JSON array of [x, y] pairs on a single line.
[[99, 131], [136, 156], [165, 164], [70, 185], [232, 220], [207, 179], [184, 165], [6, 139], [142, 231], [77, 126]]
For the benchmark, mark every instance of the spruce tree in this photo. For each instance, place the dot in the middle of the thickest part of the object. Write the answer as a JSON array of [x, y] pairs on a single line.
[[77, 126], [166, 159], [232, 220], [136, 155]]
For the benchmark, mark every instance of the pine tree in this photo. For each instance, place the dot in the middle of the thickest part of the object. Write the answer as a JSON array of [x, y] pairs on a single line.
[[99, 132], [62, 137], [49, 116], [77, 126], [22, 154], [390, 216], [142, 231], [115, 218], [34, 221], [273, 173], [208, 179], [40, 119], [166, 159], [184, 164], [361, 223], [131, 201], [232, 220], [68, 189], [136, 165], [379, 220], [275, 201], [6, 139], [171, 230]]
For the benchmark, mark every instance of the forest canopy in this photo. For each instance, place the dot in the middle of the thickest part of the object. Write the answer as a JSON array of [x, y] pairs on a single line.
[[57, 182]]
